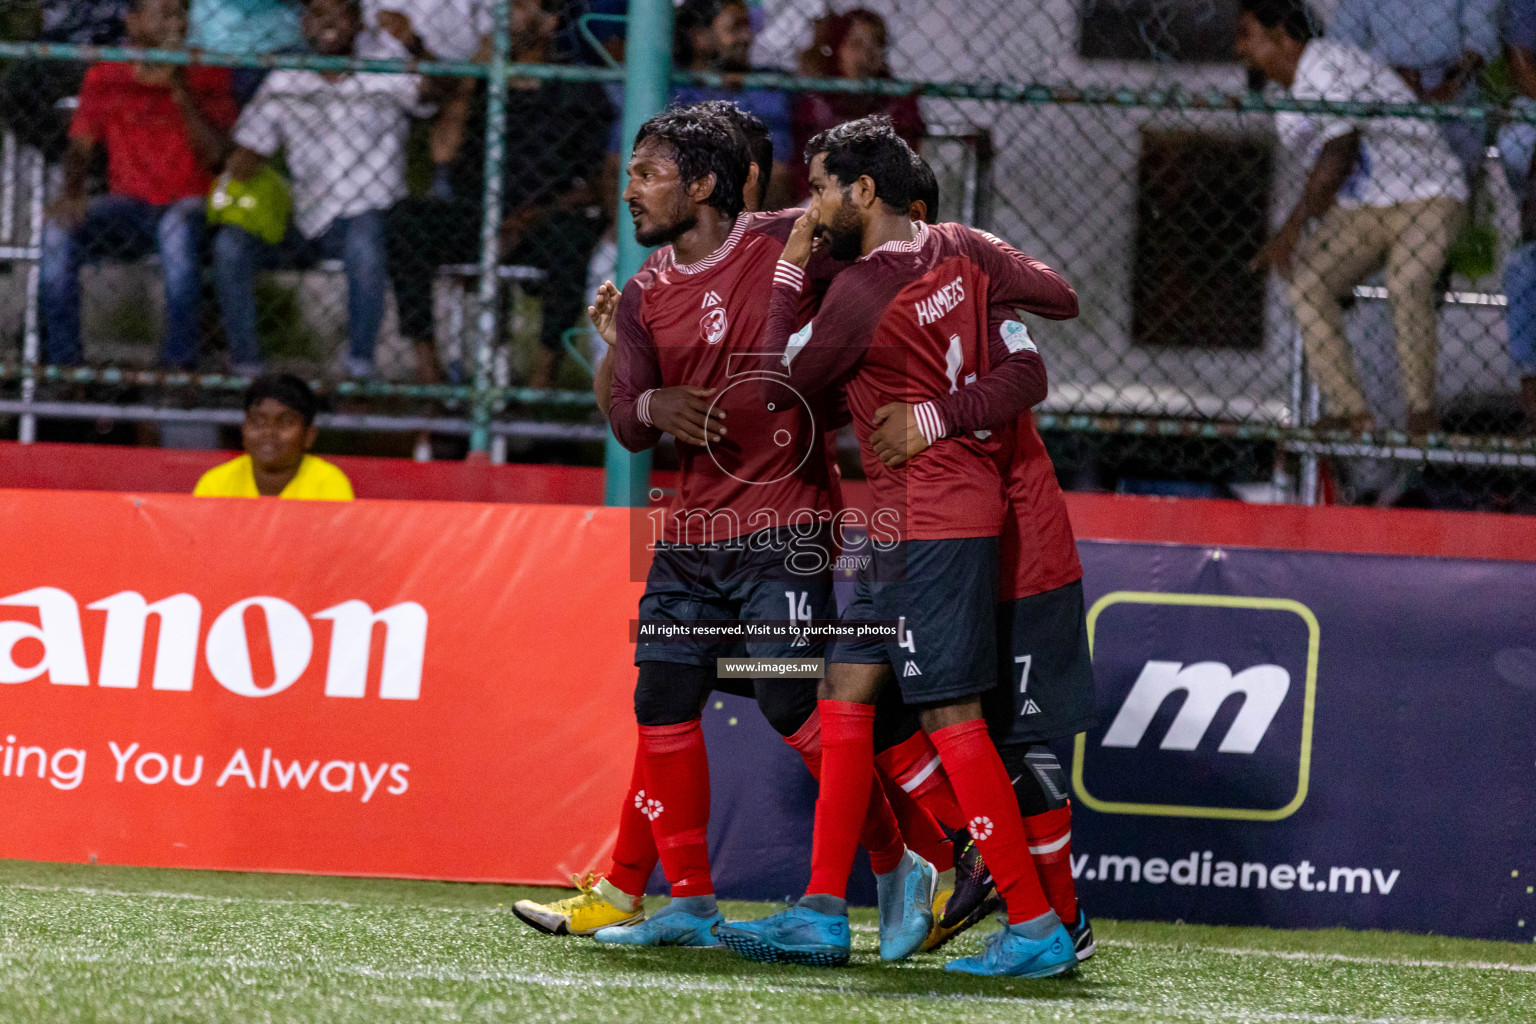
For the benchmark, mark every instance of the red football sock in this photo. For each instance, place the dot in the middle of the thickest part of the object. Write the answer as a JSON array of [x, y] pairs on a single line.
[[918, 829], [677, 803], [992, 815], [881, 834], [1050, 844], [634, 851], [914, 765], [807, 743], [847, 770]]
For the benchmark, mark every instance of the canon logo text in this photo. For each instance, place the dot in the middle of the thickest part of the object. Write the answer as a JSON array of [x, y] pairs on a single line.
[[226, 650]]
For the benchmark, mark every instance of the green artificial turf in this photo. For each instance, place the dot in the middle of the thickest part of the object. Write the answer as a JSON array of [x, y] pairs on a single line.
[[124, 944]]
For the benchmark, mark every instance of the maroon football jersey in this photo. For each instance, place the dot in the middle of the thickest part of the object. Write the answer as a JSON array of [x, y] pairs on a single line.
[[1036, 549], [909, 323], [702, 325]]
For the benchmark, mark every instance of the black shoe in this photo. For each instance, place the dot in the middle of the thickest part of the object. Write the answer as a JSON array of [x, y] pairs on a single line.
[[1082, 936], [974, 896]]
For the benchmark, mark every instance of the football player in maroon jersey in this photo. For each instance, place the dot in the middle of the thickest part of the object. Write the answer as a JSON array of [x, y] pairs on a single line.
[[908, 322], [744, 539], [1045, 688]]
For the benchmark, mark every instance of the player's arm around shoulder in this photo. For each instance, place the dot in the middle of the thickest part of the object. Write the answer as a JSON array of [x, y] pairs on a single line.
[[1019, 279], [1015, 384], [822, 344]]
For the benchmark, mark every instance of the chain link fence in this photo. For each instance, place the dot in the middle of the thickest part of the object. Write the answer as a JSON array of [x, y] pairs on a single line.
[[1376, 353], [321, 188]]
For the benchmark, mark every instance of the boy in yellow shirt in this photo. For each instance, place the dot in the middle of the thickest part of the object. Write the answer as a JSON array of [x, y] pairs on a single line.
[[278, 432]]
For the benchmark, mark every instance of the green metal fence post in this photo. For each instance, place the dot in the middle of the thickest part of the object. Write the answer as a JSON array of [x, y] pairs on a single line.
[[647, 74], [489, 299]]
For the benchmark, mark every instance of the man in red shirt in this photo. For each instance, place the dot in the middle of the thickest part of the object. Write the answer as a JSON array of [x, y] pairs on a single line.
[[909, 322], [166, 131]]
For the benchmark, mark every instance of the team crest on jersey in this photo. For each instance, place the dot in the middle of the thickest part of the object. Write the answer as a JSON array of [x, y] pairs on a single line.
[[713, 325]]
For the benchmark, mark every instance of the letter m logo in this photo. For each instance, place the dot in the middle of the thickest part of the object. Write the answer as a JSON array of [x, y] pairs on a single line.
[[1206, 685]]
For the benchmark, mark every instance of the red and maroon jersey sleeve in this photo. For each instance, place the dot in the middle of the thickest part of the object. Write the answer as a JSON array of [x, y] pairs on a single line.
[[1017, 381], [1018, 280], [820, 354], [636, 371]]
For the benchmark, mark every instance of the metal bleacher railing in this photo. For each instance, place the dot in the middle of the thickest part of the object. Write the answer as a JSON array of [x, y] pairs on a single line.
[[1147, 382]]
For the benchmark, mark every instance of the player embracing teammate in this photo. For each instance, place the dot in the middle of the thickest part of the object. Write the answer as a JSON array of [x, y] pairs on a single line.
[[746, 538], [908, 326], [753, 467]]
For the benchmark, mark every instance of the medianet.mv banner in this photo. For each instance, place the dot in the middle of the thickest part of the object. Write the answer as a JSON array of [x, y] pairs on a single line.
[[1300, 739]]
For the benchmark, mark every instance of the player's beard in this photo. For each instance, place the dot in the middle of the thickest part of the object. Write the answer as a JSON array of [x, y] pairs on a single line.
[[683, 219], [845, 234]]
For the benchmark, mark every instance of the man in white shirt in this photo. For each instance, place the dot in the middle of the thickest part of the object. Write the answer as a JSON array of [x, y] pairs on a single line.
[[343, 136], [433, 29], [1384, 192], [440, 30]]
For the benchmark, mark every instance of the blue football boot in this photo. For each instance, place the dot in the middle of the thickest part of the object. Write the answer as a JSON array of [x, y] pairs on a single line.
[[669, 926], [1009, 953], [799, 935], [906, 906]]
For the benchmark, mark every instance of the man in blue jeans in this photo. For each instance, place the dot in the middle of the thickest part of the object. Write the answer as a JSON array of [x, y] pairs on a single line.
[[165, 129], [344, 139]]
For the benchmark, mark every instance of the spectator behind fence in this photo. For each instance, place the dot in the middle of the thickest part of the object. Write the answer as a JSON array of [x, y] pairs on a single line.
[[439, 30], [277, 435], [248, 26], [30, 90], [165, 129], [1517, 142], [851, 45], [554, 203], [1384, 191], [1436, 46], [343, 137], [717, 35]]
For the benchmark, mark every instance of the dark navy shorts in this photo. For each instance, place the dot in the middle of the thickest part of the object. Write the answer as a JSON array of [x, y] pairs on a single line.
[[943, 596], [736, 582], [1044, 672], [860, 650]]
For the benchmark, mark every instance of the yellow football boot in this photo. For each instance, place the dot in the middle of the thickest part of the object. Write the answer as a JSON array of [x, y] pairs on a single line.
[[963, 903], [596, 905], [939, 934]]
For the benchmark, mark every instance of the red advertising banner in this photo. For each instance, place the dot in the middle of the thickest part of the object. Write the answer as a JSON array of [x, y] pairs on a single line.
[[391, 688]]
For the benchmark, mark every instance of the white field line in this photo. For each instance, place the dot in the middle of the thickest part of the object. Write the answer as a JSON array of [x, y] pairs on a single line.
[[1469, 965], [1289, 954], [744, 986]]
